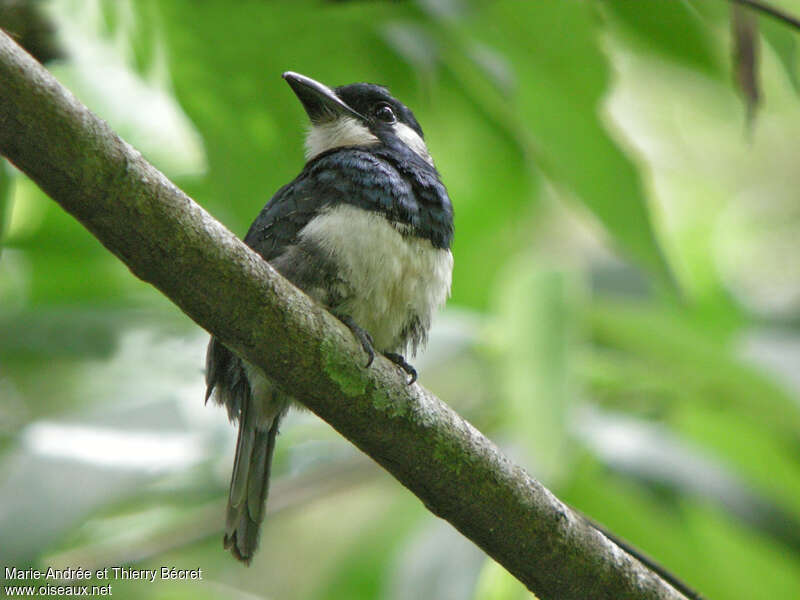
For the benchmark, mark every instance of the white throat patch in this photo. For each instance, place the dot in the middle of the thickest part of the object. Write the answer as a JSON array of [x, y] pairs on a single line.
[[412, 139], [344, 131], [348, 131]]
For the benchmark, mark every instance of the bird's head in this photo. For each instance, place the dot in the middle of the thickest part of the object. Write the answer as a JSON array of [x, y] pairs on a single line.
[[359, 114]]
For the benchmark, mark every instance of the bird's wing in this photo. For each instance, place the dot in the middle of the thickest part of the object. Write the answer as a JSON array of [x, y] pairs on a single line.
[[345, 176], [281, 220]]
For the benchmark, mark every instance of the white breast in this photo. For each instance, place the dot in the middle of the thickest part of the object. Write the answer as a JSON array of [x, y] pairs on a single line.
[[391, 277]]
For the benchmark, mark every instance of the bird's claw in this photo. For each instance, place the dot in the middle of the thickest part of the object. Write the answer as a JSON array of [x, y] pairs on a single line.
[[362, 336], [370, 353], [368, 345], [401, 362]]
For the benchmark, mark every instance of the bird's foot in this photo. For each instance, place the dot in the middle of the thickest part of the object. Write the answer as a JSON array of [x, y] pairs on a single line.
[[401, 362], [368, 345], [362, 336]]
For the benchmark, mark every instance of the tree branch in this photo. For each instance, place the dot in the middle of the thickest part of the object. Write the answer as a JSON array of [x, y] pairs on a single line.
[[171, 242]]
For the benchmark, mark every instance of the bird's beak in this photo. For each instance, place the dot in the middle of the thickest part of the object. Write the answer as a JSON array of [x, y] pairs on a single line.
[[321, 102]]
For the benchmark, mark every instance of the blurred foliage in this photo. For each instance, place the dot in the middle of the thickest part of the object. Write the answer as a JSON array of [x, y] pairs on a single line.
[[624, 312]]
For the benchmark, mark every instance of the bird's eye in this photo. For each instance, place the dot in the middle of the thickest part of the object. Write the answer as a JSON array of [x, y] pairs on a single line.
[[385, 113]]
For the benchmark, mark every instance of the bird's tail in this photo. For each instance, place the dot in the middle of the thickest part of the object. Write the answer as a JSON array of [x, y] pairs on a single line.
[[249, 485]]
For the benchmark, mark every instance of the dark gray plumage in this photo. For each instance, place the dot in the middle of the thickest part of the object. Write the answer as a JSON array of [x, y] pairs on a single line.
[[365, 229]]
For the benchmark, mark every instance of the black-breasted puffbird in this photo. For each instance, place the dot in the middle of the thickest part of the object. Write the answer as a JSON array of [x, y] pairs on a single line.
[[365, 229]]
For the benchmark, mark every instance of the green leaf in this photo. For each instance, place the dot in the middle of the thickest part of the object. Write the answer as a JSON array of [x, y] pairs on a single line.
[[554, 114], [675, 30]]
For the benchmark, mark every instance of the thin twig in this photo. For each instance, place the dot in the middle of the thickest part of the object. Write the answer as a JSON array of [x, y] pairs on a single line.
[[771, 11]]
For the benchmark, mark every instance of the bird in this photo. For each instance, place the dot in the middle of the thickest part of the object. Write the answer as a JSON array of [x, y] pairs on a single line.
[[366, 231]]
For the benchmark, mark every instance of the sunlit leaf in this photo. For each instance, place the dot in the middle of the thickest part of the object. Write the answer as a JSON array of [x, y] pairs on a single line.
[[138, 102]]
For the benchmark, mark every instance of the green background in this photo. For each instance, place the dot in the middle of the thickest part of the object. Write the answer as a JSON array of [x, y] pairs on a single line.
[[624, 317]]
